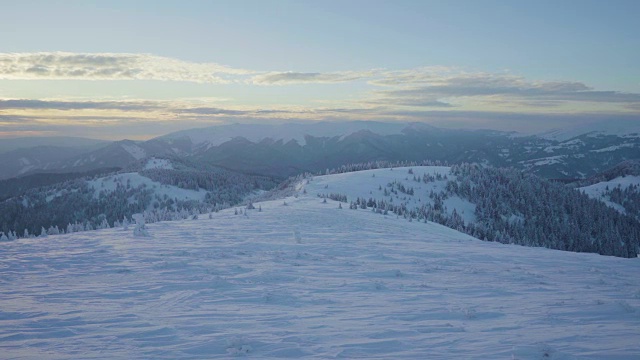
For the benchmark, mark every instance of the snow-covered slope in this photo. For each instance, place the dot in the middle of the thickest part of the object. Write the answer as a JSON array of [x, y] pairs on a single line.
[[373, 183], [310, 280], [599, 190], [109, 183]]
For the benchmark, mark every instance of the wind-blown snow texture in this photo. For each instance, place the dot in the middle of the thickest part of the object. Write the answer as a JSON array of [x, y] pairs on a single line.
[[311, 280]]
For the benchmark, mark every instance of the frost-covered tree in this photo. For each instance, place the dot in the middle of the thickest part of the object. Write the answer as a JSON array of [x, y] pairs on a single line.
[[140, 229]]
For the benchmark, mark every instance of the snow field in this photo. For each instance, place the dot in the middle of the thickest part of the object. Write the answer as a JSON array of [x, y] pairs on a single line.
[[309, 280], [372, 183]]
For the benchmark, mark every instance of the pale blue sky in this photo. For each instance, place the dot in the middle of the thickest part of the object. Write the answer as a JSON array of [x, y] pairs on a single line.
[[516, 51]]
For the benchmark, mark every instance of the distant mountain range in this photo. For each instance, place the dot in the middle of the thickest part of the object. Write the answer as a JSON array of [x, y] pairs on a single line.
[[288, 149]]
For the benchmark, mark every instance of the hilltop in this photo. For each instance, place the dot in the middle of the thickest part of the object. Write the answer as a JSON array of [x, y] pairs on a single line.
[[300, 277]]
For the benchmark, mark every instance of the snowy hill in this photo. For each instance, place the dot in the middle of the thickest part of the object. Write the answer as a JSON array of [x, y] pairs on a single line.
[[168, 188], [492, 204], [375, 184], [109, 184], [618, 187], [310, 280], [603, 190]]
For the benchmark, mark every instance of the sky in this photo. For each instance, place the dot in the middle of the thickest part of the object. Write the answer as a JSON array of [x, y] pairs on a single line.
[[139, 69]]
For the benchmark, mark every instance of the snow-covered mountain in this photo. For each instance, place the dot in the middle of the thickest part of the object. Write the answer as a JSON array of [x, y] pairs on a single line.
[[22, 162], [217, 135], [289, 149], [276, 150], [301, 278], [119, 154]]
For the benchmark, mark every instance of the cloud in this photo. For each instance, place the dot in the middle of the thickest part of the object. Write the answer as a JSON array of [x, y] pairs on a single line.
[[110, 66], [434, 87], [209, 111], [290, 77], [29, 104], [429, 88]]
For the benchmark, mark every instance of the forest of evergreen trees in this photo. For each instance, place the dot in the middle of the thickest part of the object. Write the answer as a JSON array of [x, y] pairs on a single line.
[[628, 198], [518, 208], [510, 206], [74, 205], [547, 214]]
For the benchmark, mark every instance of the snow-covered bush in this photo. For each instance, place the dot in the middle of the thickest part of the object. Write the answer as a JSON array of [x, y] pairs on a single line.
[[140, 230]]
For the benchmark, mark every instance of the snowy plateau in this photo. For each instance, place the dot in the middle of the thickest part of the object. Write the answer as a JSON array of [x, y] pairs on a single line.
[[299, 277]]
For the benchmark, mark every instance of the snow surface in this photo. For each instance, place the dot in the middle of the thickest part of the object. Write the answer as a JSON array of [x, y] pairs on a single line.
[[309, 280], [367, 184], [614, 148], [596, 191], [110, 183]]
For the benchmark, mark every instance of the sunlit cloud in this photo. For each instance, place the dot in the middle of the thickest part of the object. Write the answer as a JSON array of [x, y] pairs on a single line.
[[430, 88], [290, 77], [77, 105], [110, 66], [436, 94]]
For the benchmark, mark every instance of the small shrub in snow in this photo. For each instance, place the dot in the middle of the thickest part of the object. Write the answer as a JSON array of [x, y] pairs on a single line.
[[140, 229]]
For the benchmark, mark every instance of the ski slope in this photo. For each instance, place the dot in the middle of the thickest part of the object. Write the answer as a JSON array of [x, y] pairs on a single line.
[[310, 280]]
